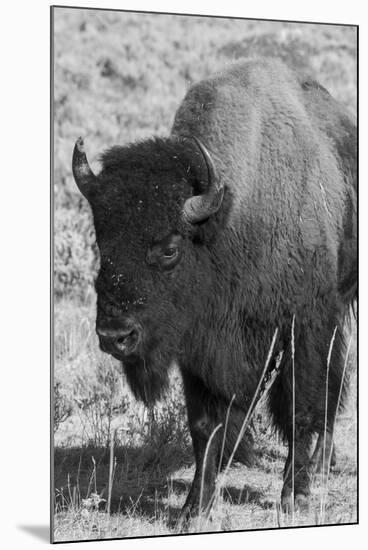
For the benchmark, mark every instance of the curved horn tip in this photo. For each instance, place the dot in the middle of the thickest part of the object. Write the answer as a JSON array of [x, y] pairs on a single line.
[[200, 207], [207, 156], [80, 144], [200, 144]]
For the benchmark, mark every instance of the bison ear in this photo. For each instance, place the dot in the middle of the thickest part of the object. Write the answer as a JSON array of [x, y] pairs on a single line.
[[83, 175], [200, 207]]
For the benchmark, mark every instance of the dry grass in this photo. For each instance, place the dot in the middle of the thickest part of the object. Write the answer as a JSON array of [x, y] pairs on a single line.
[[153, 465], [146, 502]]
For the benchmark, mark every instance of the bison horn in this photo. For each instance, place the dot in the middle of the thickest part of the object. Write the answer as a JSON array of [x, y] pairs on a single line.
[[200, 207], [82, 172]]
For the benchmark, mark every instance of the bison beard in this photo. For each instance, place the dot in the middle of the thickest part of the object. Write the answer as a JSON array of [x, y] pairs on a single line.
[[148, 378], [215, 246]]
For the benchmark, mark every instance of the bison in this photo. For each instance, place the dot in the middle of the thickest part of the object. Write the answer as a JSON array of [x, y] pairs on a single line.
[[240, 222]]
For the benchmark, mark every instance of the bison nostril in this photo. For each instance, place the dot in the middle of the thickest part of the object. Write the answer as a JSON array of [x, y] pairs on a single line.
[[128, 340], [122, 339]]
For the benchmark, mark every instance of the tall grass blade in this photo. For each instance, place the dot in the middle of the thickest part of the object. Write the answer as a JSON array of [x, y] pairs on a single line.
[[111, 470], [225, 432], [325, 478], [323, 486], [293, 420], [92, 479], [204, 469]]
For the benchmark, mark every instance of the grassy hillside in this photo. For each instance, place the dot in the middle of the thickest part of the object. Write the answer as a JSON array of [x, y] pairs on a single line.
[[119, 77]]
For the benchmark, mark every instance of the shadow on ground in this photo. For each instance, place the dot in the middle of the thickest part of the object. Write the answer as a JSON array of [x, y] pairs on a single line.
[[143, 481], [41, 532], [246, 495], [142, 477]]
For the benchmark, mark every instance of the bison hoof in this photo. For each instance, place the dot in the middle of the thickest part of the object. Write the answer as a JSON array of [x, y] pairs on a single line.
[[189, 514], [185, 516], [300, 504]]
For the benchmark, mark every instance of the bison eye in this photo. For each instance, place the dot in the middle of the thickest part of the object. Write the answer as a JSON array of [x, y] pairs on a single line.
[[165, 254], [170, 253], [169, 257]]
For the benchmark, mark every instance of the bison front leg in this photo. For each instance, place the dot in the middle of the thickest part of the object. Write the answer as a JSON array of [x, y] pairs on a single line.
[[296, 425], [296, 472], [206, 446]]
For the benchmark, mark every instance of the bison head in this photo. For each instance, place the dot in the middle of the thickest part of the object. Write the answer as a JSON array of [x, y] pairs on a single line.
[[150, 205]]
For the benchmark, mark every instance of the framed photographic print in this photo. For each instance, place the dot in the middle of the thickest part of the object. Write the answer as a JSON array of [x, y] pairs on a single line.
[[205, 274]]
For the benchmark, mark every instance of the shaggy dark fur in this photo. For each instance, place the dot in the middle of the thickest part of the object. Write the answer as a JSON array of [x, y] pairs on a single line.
[[282, 245]]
